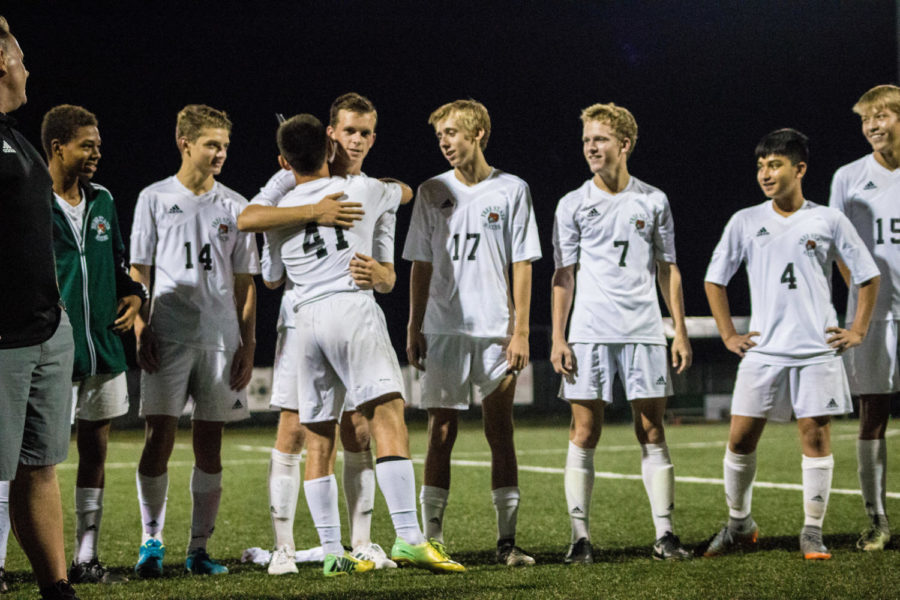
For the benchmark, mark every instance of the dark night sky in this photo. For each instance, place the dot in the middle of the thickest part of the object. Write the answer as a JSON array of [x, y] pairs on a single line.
[[705, 80]]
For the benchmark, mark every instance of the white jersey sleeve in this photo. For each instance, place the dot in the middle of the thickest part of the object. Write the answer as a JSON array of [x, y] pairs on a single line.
[[421, 227], [525, 243], [143, 230], [275, 189]]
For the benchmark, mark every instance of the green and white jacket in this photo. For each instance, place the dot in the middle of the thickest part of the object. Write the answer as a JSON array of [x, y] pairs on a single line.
[[93, 276]]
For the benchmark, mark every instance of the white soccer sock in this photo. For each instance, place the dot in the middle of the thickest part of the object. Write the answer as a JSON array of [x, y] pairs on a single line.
[[397, 481], [579, 484], [88, 512], [433, 500], [4, 521], [816, 486], [359, 491], [284, 488], [152, 499], [659, 483], [206, 492], [322, 499], [506, 504], [872, 466], [740, 471]]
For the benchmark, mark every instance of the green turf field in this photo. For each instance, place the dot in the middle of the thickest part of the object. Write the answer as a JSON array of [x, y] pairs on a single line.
[[621, 527]]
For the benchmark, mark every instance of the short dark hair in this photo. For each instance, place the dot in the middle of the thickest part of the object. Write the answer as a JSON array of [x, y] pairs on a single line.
[[354, 103], [786, 142], [62, 123], [303, 143]]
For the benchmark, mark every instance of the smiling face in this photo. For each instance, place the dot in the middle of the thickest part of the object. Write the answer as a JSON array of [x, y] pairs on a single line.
[[603, 149], [208, 152], [80, 155], [459, 147], [881, 126], [354, 134], [778, 177]]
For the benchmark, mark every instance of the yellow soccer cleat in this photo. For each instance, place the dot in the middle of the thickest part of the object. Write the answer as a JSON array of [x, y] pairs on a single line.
[[345, 564], [430, 555]]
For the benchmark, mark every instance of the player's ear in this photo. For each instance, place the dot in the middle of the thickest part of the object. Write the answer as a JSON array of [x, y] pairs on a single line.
[[801, 169], [329, 131], [4, 56], [284, 163], [626, 145], [55, 148], [372, 143], [182, 144]]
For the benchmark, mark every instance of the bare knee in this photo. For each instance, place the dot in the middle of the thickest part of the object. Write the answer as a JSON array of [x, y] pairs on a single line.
[[354, 432], [442, 429], [207, 441], [815, 435], [291, 433], [874, 414]]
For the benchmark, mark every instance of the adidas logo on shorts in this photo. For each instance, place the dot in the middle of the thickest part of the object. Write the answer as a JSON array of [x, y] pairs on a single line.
[[869, 186], [175, 210], [832, 404], [7, 149], [762, 231], [661, 380], [237, 405]]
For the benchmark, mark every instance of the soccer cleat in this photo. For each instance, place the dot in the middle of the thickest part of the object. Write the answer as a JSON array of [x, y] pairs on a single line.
[[150, 559], [198, 562], [61, 590], [669, 547], [374, 553], [876, 536], [93, 572], [511, 555], [430, 555], [282, 561], [811, 544], [580, 553], [727, 540], [345, 564], [4, 586]]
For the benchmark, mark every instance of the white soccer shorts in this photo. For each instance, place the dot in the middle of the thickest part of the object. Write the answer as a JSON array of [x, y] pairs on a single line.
[[196, 372], [643, 369], [100, 397], [872, 367], [455, 361], [343, 356], [768, 391]]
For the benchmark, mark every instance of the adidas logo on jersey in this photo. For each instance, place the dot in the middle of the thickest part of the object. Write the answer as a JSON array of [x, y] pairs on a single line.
[[661, 380], [762, 231], [7, 149], [447, 203], [593, 212], [832, 404], [175, 210], [869, 186], [237, 405]]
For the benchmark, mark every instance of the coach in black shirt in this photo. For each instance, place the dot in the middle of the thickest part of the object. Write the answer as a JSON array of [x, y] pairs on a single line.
[[36, 348]]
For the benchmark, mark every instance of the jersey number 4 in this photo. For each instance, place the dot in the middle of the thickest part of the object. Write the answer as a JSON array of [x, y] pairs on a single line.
[[469, 236], [788, 276], [204, 258], [313, 241]]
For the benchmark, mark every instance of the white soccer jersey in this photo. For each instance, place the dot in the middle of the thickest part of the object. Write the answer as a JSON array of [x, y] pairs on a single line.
[[616, 241], [869, 194], [317, 259], [789, 267], [194, 243], [279, 185], [471, 235]]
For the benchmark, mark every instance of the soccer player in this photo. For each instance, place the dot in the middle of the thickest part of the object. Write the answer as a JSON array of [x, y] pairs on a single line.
[[36, 349], [467, 324], [343, 353], [103, 302], [868, 191], [200, 337], [617, 234], [790, 355], [352, 130]]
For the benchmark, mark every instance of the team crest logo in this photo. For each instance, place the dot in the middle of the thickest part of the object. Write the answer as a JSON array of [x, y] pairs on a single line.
[[493, 217], [223, 228], [810, 243], [640, 222], [100, 226]]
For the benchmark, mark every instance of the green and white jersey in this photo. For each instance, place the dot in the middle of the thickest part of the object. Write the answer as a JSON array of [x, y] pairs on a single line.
[[788, 262], [869, 194], [472, 235], [616, 241], [196, 248]]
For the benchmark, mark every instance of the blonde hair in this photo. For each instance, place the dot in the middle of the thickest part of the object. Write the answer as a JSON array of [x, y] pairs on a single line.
[[471, 117], [194, 117], [5, 33], [618, 118], [880, 96]]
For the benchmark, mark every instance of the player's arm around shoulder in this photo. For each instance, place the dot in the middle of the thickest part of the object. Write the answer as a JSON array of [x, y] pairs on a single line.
[[406, 193], [369, 274], [669, 277]]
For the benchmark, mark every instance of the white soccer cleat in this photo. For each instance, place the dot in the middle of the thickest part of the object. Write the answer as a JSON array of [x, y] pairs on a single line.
[[282, 562], [374, 553]]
